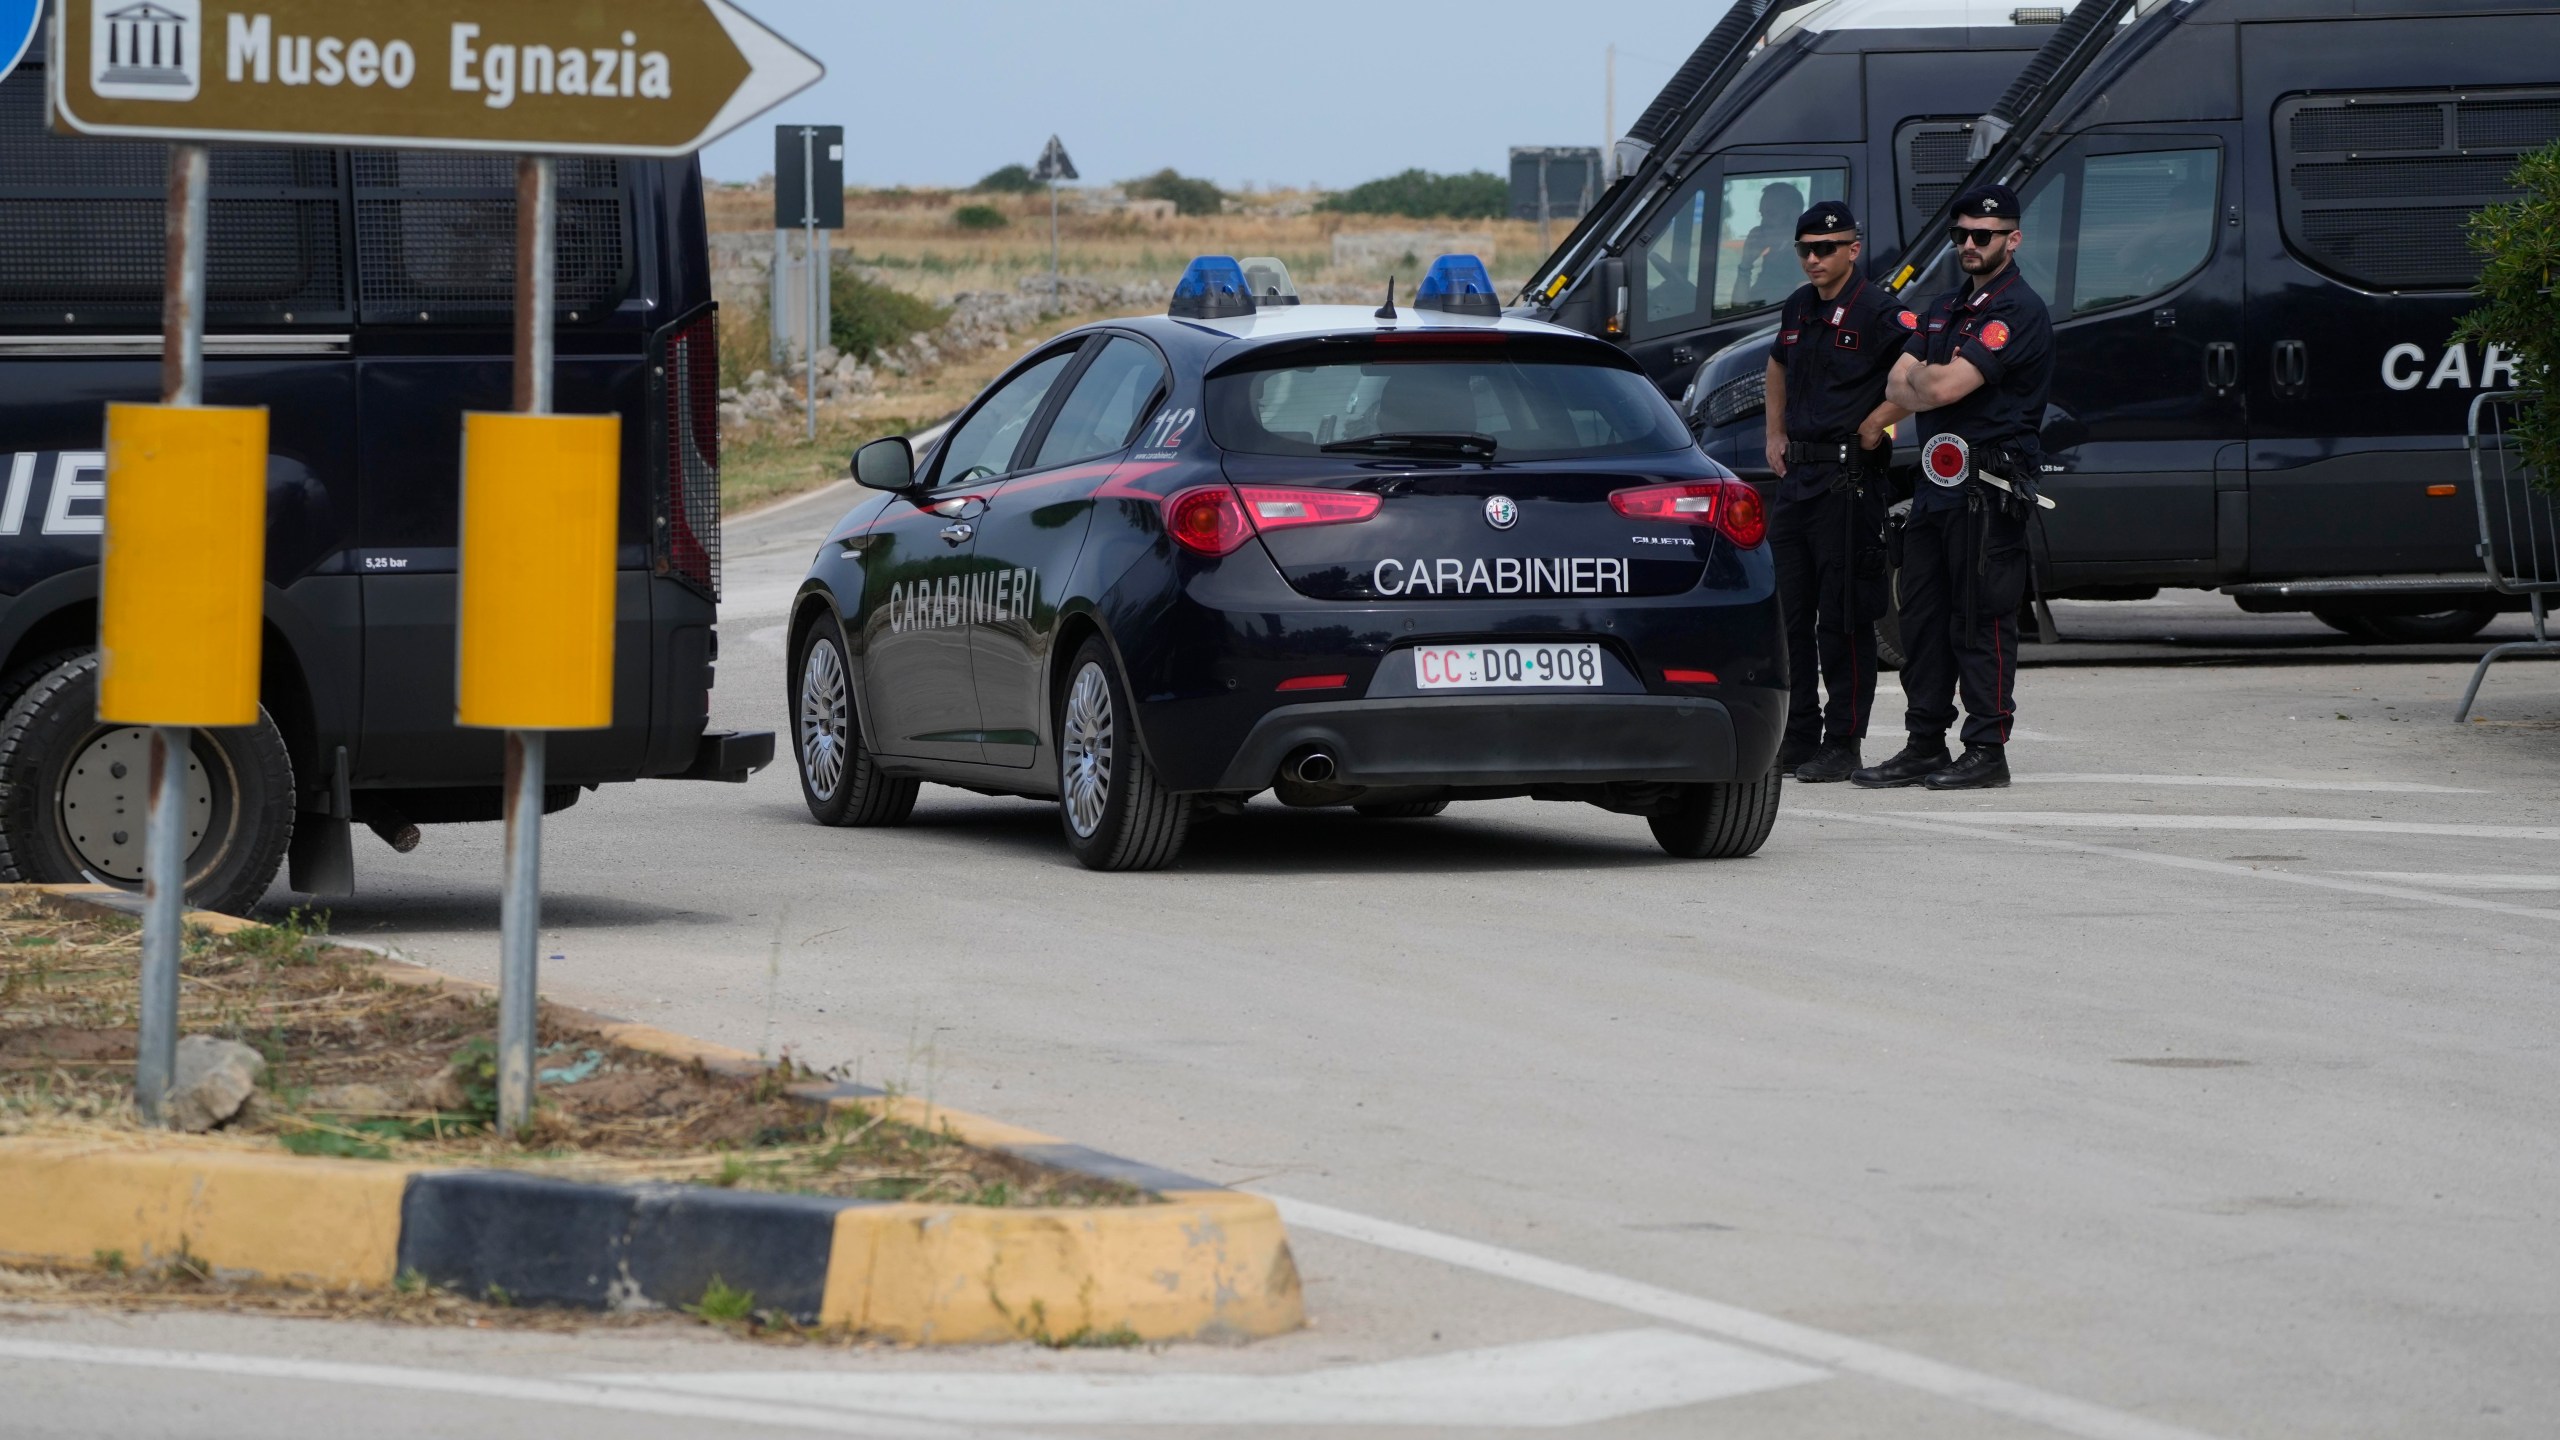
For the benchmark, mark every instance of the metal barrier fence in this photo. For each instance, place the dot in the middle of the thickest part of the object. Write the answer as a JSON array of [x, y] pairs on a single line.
[[2519, 529]]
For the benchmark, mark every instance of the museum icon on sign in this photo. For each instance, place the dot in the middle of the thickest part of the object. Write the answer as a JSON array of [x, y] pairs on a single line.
[[147, 49]]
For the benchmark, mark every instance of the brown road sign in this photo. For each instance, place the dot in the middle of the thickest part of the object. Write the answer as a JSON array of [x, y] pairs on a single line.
[[623, 77]]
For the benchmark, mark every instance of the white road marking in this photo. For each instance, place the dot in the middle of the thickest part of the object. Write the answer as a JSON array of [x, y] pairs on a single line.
[[482, 1386], [2103, 820], [2181, 862], [2242, 782], [1749, 1327], [2021, 732], [2460, 882], [1542, 1384]]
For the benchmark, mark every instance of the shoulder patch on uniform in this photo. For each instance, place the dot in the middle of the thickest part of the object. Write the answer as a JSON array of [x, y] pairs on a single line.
[[1995, 335], [1907, 320]]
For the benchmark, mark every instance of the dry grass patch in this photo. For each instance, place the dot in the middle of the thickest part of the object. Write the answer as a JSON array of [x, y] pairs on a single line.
[[362, 1066]]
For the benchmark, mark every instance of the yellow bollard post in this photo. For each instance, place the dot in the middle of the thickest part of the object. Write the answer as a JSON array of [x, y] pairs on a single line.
[[539, 500], [539, 496], [181, 609]]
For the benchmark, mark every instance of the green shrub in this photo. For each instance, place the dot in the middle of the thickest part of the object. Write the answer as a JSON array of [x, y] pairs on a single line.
[[2521, 314], [979, 217], [1189, 196], [1422, 195], [870, 317], [1010, 180]]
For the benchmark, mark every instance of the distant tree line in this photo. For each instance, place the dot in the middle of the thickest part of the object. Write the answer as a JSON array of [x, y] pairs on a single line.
[[1418, 194]]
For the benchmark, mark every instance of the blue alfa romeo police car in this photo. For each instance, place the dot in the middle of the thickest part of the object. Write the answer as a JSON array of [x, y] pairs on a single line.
[[1380, 559]]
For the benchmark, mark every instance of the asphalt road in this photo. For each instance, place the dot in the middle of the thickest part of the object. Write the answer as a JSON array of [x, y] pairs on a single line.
[[2202, 1084]]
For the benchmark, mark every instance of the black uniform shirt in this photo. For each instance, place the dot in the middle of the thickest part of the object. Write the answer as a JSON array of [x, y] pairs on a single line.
[[1837, 354], [2003, 329]]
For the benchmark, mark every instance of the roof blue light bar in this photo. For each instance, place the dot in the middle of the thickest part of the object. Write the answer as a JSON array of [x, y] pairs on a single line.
[[1213, 288], [1458, 285]]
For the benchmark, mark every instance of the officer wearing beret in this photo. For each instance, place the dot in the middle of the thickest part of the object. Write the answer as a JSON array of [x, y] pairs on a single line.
[[1838, 339], [1976, 376]]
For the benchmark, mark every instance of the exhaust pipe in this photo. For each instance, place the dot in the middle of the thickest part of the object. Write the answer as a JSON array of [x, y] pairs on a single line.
[[1312, 767]]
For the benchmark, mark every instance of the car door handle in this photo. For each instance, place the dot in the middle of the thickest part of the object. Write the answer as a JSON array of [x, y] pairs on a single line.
[[2292, 367], [959, 533], [2221, 366]]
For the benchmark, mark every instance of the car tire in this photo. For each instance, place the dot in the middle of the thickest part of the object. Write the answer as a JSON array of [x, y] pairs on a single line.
[[1116, 814], [2441, 627], [1402, 810], [839, 776], [57, 759], [1719, 822]]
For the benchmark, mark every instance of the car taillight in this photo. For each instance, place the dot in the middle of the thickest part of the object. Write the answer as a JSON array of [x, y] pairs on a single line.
[[1218, 519], [1729, 505]]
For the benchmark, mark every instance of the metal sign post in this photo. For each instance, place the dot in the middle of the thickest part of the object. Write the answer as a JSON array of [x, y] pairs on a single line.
[[1054, 166], [164, 830], [817, 267], [520, 901], [808, 196]]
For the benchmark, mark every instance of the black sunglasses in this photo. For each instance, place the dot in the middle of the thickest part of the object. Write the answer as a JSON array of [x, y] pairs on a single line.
[[1967, 235], [1821, 248]]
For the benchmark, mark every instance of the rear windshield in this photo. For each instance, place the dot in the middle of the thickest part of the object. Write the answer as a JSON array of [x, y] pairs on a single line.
[[1533, 408]]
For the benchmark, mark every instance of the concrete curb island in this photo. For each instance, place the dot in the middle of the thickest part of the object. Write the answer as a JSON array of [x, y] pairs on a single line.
[[1209, 1263]]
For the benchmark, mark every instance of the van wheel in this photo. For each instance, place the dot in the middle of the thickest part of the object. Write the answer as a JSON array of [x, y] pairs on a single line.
[[81, 793], [1402, 810], [1117, 814], [1719, 822], [839, 776]]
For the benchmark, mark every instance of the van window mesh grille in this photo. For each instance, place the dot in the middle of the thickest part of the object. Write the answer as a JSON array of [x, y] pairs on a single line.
[[2378, 190], [83, 233], [1930, 160], [2511, 124], [436, 235], [2347, 125], [687, 377]]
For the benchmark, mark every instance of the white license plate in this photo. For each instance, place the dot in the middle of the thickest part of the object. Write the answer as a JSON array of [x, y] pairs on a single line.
[[1502, 667]]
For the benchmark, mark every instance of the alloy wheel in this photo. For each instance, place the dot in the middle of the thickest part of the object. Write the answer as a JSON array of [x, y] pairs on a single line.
[[826, 731], [1085, 758]]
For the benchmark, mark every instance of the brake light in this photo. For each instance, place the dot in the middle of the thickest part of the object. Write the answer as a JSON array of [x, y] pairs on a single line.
[[1729, 505], [689, 478], [1218, 519], [1315, 682], [1689, 677]]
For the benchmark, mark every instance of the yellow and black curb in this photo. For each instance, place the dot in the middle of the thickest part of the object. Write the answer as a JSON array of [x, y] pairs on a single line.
[[1205, 1263]]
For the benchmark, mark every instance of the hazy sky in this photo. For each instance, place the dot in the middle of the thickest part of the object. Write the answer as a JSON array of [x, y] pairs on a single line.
[[1331, 91]]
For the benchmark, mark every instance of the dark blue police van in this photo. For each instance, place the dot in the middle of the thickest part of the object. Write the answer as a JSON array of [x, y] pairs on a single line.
[[2248, 219], [365, 298]]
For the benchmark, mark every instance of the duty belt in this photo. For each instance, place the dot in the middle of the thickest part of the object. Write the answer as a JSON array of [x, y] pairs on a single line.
[[1822, 452]]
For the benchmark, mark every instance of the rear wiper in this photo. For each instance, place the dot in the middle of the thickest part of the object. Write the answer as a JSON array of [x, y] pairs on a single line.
[[1419, 442]]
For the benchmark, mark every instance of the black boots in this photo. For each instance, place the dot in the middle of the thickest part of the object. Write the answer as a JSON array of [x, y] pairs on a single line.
[[1984, 767], [1918, 761], [1829, 765], [1793, 752]]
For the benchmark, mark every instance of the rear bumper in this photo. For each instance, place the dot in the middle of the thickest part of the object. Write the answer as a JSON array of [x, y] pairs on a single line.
[[1507, 740], [729, 756]]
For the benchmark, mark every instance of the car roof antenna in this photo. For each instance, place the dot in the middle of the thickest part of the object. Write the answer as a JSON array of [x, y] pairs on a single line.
[[1388, 310]]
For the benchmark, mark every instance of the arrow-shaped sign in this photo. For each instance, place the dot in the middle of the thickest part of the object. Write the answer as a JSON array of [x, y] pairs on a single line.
[[633, 77]]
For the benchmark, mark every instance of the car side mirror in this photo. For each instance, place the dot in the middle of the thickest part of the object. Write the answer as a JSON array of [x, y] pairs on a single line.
[[886, 464]]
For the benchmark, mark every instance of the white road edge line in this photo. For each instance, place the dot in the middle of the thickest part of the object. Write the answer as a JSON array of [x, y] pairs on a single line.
[[2117, 820], [503, 1387], [2246, 782], [1953, 826], [1749, 1327]]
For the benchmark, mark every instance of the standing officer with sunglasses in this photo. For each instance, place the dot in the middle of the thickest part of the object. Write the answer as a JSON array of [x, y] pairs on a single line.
[[1838, 339], [1976, 377]]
